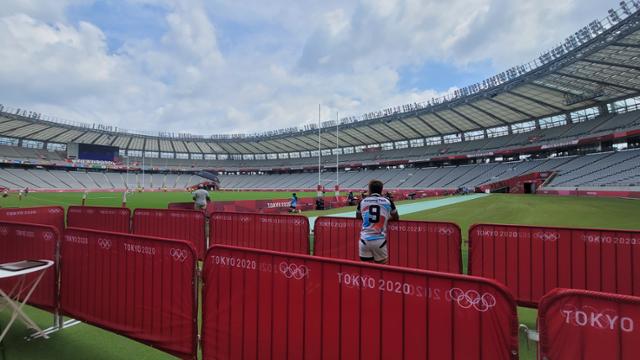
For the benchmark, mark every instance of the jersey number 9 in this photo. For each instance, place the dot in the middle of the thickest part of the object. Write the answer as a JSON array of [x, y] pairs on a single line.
[[374, 213]]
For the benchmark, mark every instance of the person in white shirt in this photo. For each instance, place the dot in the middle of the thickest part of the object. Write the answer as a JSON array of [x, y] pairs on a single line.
[[375, 212], [200, 198]]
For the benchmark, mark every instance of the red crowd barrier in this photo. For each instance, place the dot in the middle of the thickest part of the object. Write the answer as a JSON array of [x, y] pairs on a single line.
[[288, 233], [269, 305], [533, 260], [99, 218], [415, 244], [42, 215], [140, 287], [188, 225], [20, 241], [181, 206], [587, 325]]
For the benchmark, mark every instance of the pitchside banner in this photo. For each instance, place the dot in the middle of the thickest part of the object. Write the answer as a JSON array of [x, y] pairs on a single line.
[[533, 260], [288, 233], [269, 305], [99, 218], [137, 286], [43, 215], [586, 325], [415, 244], [19, 241]]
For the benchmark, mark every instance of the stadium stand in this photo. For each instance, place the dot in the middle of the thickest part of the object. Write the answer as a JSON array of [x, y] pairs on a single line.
[[603, 169], [596, 126], [609, 169]]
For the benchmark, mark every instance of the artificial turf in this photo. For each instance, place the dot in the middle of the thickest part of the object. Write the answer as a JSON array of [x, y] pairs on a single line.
[[87, 342]]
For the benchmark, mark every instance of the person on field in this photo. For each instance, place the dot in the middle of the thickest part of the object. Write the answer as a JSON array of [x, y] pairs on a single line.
[[319, 203], [293, 204], [351, 199], [200, 198], [375, 211]]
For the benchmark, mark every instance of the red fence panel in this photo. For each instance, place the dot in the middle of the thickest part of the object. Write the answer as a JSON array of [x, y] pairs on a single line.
[[415, 244], [20, 241], [99, 218], [181, 206], [42, 215], [532, 260], [188, 225], [137, 286], [587, 325], [269, 305], [288, 233], [336, 237]]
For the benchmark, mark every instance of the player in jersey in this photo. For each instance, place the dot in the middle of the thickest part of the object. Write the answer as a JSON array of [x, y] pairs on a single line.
[[375, 211]]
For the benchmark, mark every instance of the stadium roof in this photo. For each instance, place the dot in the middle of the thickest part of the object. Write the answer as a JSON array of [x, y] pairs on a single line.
[[599, 64]]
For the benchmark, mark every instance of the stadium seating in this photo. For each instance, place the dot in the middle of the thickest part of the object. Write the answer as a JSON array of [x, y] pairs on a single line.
[[19, 178], [603, 169], [601, 125], [611, 169]]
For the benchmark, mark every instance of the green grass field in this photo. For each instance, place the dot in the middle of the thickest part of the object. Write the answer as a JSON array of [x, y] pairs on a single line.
[[87, 342]]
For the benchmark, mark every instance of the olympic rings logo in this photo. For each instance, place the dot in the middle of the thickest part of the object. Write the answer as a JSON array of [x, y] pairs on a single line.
[[445, 231], [104, 243], [547, 236], [4, 231], [472, 298], [54, 211], [47, 235], [293, 271], [178, 254]]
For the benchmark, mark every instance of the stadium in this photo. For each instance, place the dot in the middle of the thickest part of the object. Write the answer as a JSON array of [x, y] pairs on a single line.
[[519, 205]]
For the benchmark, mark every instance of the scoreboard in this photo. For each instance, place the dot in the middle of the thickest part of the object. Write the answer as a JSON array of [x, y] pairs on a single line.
[[92, 152]]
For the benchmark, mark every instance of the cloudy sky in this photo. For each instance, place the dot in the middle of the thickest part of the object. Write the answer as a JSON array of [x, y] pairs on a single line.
[[221, 66]]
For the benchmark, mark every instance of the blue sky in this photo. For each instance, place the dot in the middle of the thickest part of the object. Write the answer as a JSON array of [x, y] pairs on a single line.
[[219, 66], [120, 20]]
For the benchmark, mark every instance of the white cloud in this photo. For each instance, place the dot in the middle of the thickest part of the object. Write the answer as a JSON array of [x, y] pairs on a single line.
[[270, 67], [43, 10]]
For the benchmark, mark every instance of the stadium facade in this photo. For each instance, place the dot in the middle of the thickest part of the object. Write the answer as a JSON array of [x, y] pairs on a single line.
[[572, 112]]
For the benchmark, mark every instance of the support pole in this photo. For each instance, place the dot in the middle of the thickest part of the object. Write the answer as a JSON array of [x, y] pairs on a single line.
[[337, 187], [319, 156]]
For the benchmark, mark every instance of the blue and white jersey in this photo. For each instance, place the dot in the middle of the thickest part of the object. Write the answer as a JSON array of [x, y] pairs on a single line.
[[376, 212], [294, 201]]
